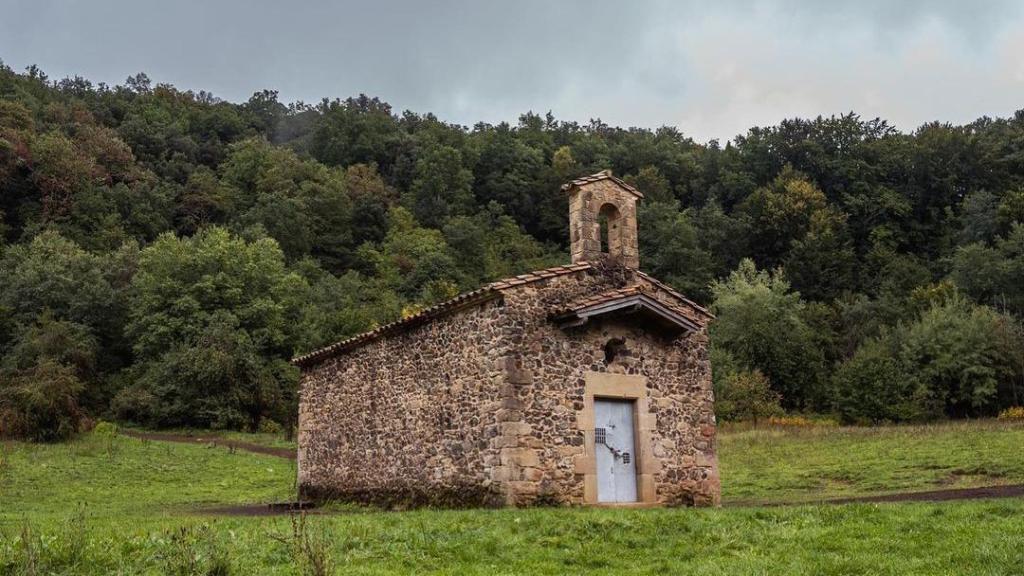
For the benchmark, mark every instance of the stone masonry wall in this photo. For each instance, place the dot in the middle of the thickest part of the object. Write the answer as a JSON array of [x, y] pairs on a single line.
[[408, 419]]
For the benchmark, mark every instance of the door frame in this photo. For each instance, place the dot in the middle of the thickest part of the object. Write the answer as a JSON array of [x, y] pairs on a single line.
[[618, 387]]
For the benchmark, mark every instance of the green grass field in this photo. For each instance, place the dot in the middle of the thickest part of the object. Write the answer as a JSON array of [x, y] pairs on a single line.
[[135, 507], [773, 465]]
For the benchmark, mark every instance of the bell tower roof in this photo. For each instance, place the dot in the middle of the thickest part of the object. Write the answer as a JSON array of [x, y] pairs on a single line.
[[602, 175]]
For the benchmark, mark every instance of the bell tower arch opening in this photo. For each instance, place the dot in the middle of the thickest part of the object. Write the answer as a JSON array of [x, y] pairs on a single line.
[[609, 226], [602, 219]]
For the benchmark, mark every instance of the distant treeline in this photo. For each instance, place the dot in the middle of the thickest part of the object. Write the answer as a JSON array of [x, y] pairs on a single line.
[[164, 253]]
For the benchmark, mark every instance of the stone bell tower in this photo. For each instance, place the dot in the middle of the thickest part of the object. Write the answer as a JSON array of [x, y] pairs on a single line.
[[602, 219]]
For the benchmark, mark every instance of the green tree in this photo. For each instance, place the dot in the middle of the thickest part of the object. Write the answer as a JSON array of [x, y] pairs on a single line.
[[994, 275], [760, 323], [1011, 209], [441, 187], [670, 249], [213, 319], [45, 378], [55, 274], [958, 351], [358, 130], [652, 184], [301, 204], [979, 214], [411, 256], [956, 360], [204, 201], [785, 212], [337, 307]]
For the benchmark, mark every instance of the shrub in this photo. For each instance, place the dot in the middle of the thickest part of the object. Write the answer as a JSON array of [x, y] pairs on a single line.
[[1012, 413], [310, 547], [746, 395], [958, 350], [195, 550], [953, 361], [801, 422], [268, 426], [134, 403], [876, 385], [41, 403], [104, 434], [105, 429]]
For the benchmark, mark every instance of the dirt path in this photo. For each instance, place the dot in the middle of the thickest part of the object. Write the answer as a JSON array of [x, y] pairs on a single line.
[[943, 495], [215, 440], [949, 494], [274, 509]]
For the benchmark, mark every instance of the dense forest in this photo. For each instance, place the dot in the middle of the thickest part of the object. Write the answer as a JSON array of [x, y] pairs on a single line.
[[164, 253]]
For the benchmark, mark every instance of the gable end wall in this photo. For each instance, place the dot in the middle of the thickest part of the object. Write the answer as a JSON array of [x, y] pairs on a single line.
[[561, 371]]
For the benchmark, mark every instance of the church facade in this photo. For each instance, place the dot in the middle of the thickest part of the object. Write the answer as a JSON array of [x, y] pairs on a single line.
[[587, 383]]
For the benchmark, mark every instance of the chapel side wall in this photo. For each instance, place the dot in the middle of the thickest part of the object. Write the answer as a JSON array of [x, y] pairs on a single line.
[[677, 463], [411, 418]]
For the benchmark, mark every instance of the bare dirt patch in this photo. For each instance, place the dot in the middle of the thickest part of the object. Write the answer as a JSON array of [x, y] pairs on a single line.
[[943, 495], [1004, 491], [214, 440], [273, 509]]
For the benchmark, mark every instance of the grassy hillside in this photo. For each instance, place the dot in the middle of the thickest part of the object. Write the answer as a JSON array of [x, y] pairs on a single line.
[[137, 507]]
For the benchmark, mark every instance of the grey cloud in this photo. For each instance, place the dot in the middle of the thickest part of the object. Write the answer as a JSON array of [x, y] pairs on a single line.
[[713, 69]]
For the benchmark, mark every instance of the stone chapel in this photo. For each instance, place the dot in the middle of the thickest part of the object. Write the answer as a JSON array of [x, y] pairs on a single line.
[[584, 384]]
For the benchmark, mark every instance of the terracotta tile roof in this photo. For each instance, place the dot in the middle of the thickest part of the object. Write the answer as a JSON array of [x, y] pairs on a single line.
[[676, 294], [603, 175], [487, 292]]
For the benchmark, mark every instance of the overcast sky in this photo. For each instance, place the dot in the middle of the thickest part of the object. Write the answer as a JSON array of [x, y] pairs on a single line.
[[713, 69]]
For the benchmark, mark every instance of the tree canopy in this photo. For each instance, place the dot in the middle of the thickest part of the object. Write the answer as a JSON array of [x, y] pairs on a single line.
[[189, 246]]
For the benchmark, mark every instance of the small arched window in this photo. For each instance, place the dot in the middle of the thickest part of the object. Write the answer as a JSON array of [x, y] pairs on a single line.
[[602, 223], [608, 225]]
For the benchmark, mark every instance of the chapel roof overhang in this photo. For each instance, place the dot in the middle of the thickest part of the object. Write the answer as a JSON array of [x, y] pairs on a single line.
[[631, 303]]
